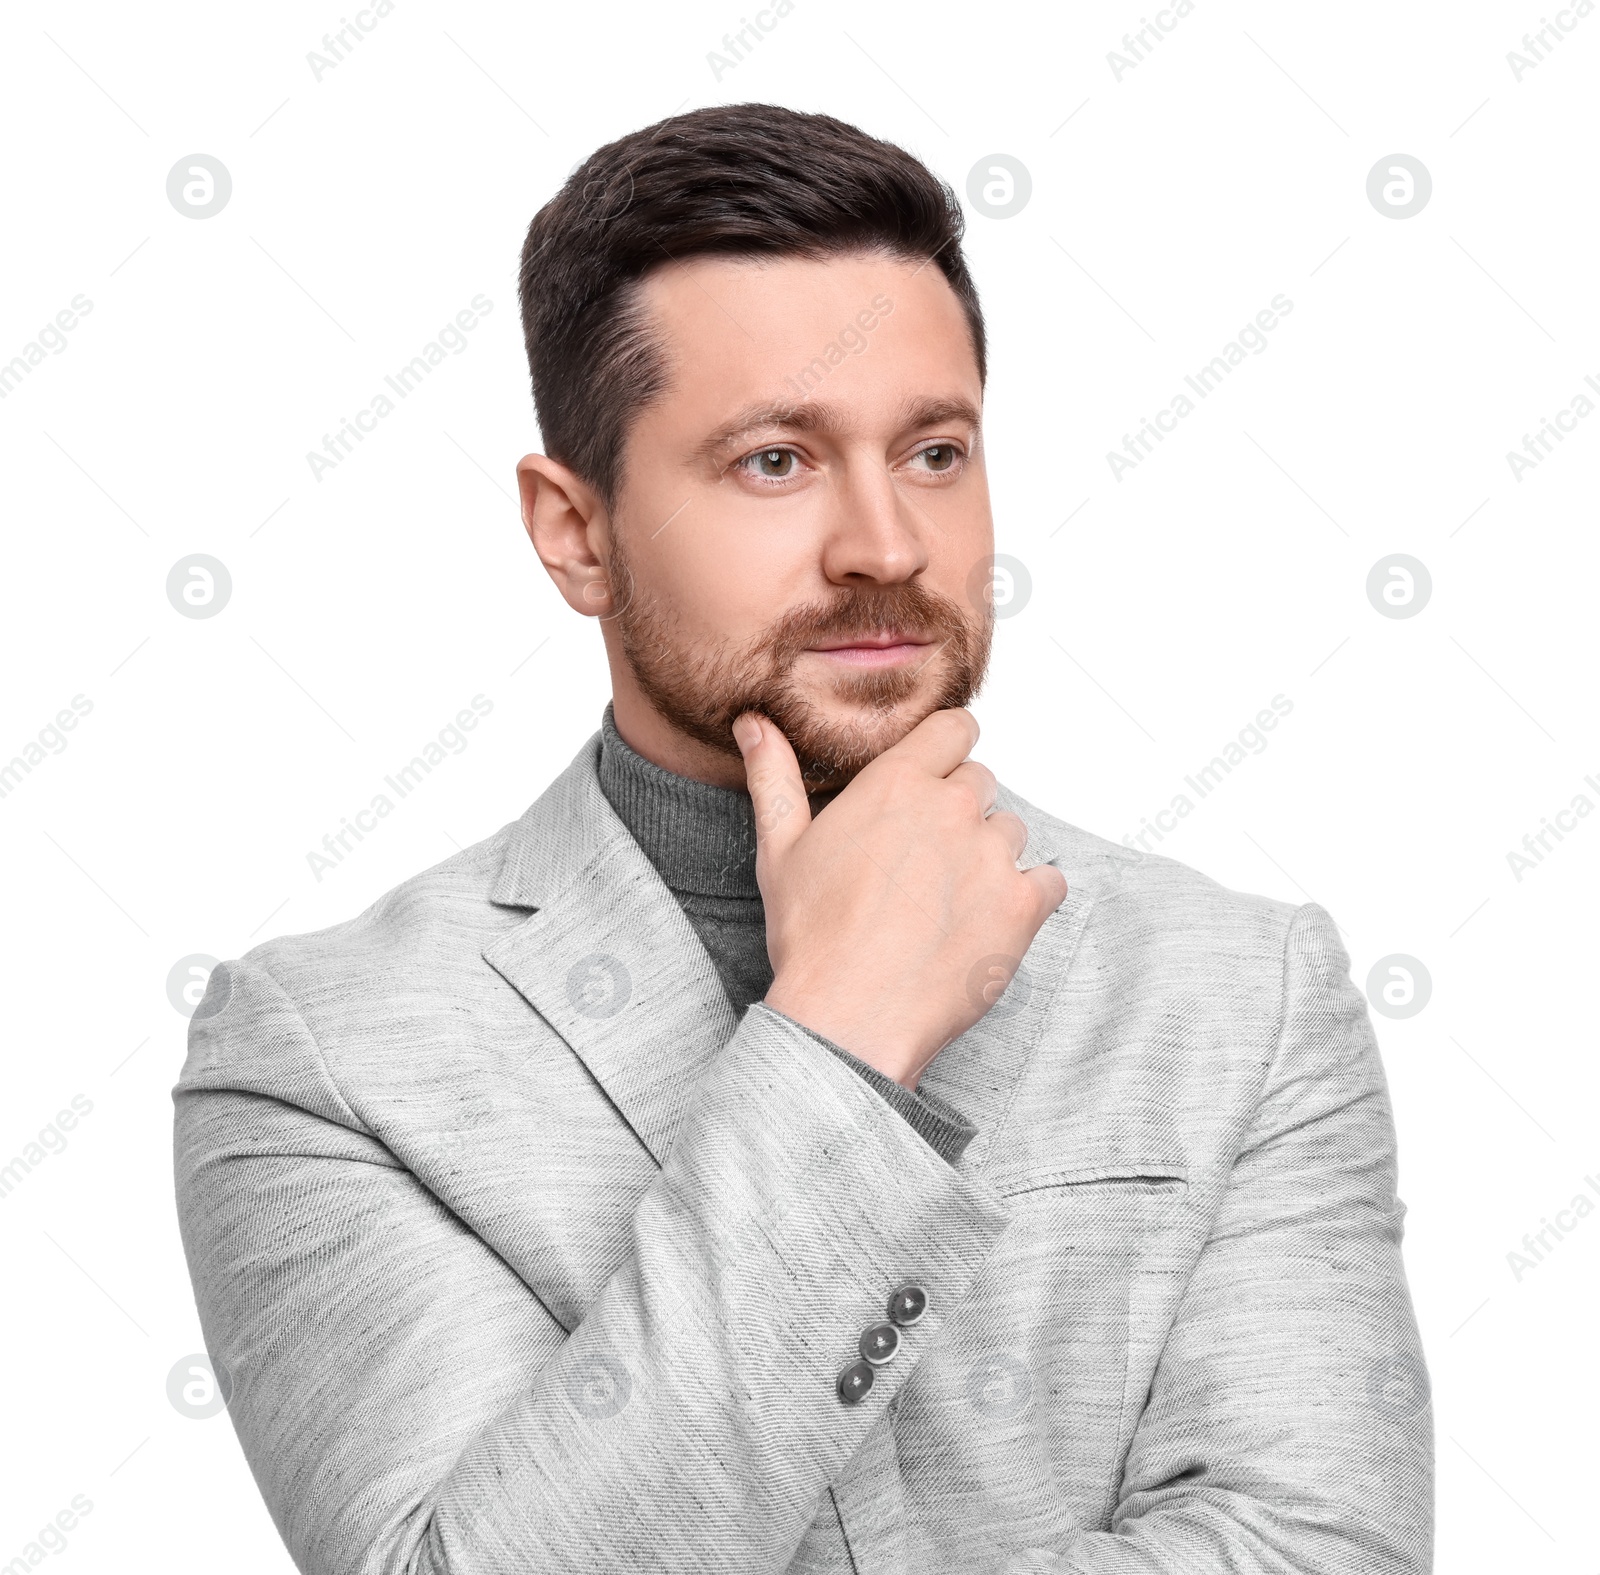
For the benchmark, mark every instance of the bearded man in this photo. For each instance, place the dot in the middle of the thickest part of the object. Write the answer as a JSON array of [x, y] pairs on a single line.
[[782, 1147]]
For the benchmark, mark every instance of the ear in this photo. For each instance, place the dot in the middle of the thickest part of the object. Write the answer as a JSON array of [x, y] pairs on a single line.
[[570, 528]]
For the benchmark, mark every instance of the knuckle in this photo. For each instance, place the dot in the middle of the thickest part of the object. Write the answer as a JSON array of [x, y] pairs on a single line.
[[957, 725], [1023, 899], [1050, 890], [964, 798]]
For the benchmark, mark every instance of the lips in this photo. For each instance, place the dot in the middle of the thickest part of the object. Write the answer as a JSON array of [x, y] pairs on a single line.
[[869, 642], [893, 649]]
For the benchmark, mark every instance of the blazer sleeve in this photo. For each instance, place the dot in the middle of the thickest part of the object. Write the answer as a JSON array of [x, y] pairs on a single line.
[[1288, 1428], [935, 1120], [408, 1405]]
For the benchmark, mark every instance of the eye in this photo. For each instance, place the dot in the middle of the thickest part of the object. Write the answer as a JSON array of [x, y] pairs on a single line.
[[939, 459], [771, 464]]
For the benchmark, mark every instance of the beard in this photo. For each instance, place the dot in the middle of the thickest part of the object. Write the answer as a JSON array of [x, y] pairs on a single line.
[[700, 691]]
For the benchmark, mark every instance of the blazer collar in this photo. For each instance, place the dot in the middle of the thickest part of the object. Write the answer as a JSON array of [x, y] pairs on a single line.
[[608, 959]]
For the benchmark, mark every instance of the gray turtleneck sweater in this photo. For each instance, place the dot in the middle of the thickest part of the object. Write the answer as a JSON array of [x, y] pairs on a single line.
[[702, 841]]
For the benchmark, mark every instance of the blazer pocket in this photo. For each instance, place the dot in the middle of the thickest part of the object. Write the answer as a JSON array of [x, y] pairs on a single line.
[[1132, 1179], [1032, 1389]]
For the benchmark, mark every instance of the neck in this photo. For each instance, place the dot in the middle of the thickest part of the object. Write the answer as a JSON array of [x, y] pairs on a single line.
[[700, 837], [648, 733]]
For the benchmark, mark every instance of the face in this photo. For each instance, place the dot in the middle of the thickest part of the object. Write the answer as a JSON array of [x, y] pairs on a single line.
[[802, 515]]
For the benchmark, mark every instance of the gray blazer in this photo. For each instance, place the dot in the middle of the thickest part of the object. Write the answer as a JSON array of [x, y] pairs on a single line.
[[521, 1253]]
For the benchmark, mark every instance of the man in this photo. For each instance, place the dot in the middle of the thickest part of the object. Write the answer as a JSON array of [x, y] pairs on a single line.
[[783, 1148]]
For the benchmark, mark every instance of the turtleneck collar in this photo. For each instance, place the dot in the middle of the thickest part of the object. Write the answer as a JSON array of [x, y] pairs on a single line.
[[701, 839]]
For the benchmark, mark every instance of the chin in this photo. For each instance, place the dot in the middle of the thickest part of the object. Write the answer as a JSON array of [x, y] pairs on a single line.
[[835, 736]]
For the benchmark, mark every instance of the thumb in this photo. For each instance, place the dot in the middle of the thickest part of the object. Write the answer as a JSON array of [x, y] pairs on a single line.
[[773, 776]]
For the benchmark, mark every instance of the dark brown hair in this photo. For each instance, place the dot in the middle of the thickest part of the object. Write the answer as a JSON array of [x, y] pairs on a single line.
[[754, 179]]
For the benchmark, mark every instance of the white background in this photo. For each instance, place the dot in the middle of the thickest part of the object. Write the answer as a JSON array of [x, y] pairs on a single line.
[[1167, 607]]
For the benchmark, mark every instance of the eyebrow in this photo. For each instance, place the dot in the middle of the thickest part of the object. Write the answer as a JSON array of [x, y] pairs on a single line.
[[815, 415]]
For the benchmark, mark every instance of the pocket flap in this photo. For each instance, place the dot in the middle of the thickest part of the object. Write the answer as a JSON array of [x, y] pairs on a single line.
[[1150, 1175]]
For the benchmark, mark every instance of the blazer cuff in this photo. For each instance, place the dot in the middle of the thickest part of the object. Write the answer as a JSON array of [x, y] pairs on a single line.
[[936, 1121]]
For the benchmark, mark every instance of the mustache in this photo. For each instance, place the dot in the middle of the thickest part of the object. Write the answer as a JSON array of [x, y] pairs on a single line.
[[909, 609]]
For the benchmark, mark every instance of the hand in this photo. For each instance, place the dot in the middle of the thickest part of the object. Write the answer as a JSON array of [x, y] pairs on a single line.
[[879, 912]]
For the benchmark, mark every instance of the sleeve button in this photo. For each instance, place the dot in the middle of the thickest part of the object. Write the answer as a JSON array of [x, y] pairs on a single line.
[[854, 1382], [907, 1304]]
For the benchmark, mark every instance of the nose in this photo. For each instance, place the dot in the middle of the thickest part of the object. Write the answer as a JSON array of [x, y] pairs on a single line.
[[875, 533]]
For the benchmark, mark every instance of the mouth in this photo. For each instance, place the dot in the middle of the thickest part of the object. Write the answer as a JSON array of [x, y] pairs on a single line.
[[892, 648]]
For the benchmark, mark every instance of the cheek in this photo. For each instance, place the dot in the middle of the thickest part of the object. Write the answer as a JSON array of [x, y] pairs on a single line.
[[730, 569], [962, 557]]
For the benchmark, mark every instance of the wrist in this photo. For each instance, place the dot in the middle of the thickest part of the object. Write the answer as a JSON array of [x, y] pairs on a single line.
[[885, 1050]]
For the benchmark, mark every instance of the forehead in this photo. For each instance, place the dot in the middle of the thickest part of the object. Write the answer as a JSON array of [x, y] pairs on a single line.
[[859, 328]]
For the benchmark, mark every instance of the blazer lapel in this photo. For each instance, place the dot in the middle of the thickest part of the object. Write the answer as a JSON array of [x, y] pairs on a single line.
[[607, 957], [609, 961]]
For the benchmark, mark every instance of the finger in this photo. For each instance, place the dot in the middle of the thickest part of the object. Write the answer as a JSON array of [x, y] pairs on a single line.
[[979, 781], [1012, 831], [773, 776], [938, 743], [1050, 886]]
